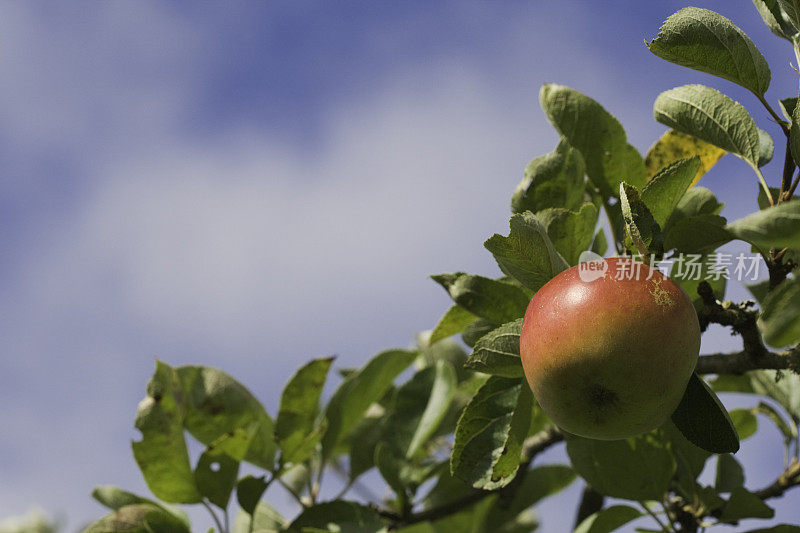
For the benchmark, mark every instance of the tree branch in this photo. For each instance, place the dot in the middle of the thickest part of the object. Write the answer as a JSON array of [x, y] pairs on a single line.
[[741, 362], [790, 478], [533, 446], [782, 123], [741, 317]]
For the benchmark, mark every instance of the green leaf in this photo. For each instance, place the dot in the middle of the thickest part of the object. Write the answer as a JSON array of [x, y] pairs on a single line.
[[710, 116], [665, 190], [295, 425], [598, 136], [249, 490], [778, 321], [688, 271], [448, 489], [703, 419], [787, 106], [265, 519], [708, 498], [706, 41], [161, 454], [497, 352], [697, 234], [782, 387], [390, 465], [570, 231], [216, 405], [766, 148], [607, 520], [551, 180], [473, 333], [792, 10], [493, 300], [359, 391], [420, 405], [364, 439], [642, 229], [788, 430], [490, 432], [732, 383], [776, 19], [763, 201], [600, 244], [215, 477], [139, 518], [537, 484], [781, 528], [690, 460], [636, 469], [527, 254], [454, 321], [696, 201], [338, 516], [774, 227], [744, 504], [730, 475], [674, 146], [115, 498], [745, 423]]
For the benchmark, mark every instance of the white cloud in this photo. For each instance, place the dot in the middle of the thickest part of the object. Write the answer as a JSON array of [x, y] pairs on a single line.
[[240, 250]]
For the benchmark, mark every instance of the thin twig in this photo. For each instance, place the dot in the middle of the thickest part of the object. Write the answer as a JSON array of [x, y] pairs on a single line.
[[794, 186], [291, 491], [764, 185], [213, 515], [778, 119], [655, 517]]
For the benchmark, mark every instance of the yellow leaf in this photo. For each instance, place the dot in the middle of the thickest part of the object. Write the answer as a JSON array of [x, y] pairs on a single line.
[[674, 145]]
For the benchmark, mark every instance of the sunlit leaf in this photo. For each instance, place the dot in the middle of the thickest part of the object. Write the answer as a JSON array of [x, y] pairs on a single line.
[[711, 116], [675, 145], [706, 41], [598, 136], [489, 435], [527, 254], [551, 180]]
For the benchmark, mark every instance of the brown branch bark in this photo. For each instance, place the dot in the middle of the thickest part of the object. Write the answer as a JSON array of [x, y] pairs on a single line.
[[741, 362], [790, 478], [741, 317]]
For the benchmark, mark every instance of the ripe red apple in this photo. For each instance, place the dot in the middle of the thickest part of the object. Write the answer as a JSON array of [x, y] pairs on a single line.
[[608, 353]]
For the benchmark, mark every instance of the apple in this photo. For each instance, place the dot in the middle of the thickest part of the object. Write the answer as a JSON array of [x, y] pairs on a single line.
[[608, 348]]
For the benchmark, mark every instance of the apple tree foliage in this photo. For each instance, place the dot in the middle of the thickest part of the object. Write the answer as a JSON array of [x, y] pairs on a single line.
[[450, 425]]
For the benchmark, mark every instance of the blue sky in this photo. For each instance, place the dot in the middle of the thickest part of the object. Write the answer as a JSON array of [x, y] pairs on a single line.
[[252, 185]]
